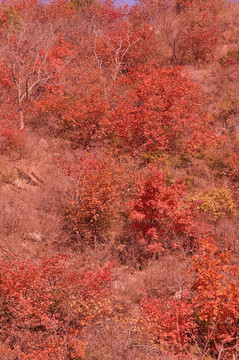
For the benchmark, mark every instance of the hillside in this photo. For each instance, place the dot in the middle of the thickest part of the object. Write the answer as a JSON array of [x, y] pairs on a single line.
[[119, 180]]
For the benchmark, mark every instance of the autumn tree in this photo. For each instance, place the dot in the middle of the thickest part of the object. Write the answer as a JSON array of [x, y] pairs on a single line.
[[92, 203], [160, 218], [31, 55], [159, 111], [122, 41], [196, 33], [187, 31]]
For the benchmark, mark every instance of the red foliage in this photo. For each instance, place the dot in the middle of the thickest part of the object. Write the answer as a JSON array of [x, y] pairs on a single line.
[[233, 172], [197, 44], [170, 323], [44, 308], [84, 118], [199, 32], [160, 218], [159, 110], [10, 135], [94, 195], [87, 68], [9, 127], [122, 41], [33, 57], [216, 299], [208, 319]]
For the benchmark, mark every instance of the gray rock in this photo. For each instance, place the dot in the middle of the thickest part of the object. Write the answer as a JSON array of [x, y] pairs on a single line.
[[43, 144], [35, 236]]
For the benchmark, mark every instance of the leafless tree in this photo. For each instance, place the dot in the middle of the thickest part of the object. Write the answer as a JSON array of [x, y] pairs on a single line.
[[25, 51]]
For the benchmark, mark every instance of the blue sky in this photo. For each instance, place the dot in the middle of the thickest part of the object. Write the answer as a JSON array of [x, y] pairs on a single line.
[[129, 2]]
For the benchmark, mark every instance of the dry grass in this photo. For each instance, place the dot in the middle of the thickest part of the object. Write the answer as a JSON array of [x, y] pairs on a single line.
[[30, 211]]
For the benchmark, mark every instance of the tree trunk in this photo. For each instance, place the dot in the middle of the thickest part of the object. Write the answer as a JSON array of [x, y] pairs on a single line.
[[21, 118]]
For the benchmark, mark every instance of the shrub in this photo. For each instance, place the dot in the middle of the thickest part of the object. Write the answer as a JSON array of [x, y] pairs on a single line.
[[159, 217], [217, 202], [216, 300], [45, 307], [159, 111], [92, 201]]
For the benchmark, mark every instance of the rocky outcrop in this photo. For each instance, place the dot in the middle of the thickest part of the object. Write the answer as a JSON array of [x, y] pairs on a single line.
[[30, 177], [19, 177]]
